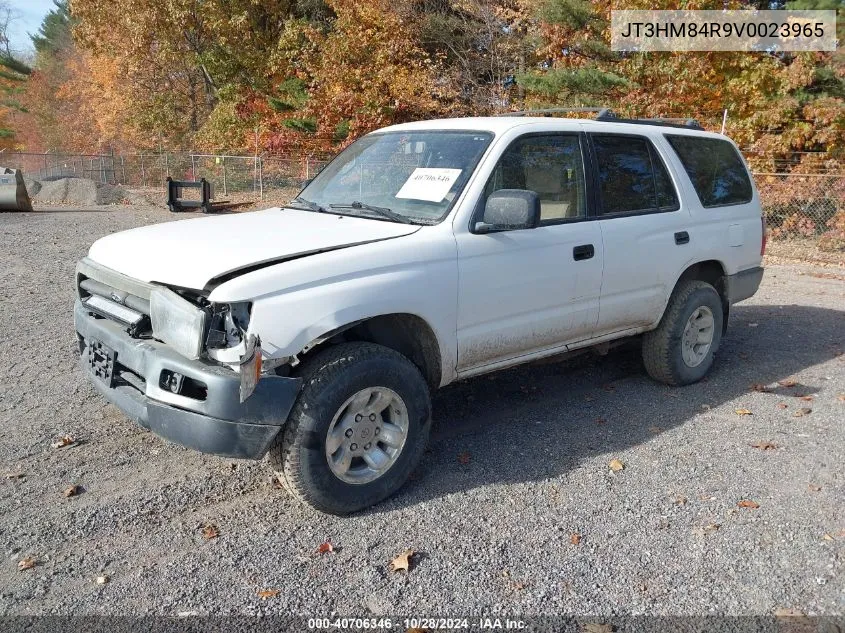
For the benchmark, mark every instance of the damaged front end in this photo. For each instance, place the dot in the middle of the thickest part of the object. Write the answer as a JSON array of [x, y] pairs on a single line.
[[188, 369]]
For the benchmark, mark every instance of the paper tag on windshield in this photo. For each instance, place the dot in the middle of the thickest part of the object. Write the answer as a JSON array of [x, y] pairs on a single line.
[[429, 183]]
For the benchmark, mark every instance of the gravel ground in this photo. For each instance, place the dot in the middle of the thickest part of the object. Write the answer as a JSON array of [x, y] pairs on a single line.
[[518, 464]]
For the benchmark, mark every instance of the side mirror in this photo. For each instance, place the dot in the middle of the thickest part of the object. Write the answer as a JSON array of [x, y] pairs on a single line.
[[509, 210]]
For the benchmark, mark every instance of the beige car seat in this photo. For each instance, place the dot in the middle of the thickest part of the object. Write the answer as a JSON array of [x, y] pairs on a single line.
[[558, 196]]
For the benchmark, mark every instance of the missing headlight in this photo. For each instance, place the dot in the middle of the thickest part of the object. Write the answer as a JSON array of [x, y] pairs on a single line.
[[228, 325]]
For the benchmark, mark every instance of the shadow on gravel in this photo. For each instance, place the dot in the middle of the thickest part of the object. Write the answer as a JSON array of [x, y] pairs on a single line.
[[538, 421]]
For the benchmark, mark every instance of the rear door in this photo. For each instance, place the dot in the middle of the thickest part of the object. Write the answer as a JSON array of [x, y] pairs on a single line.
[[644, 228]]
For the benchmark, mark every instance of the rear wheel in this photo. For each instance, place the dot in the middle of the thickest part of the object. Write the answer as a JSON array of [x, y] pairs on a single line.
[[683, 347], [357, 430]]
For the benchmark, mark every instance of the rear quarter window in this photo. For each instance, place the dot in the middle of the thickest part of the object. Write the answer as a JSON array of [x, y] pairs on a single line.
[[715, 168]]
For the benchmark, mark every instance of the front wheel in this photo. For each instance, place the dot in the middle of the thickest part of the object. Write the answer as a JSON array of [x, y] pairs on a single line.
[[357, 430], [683, 347]]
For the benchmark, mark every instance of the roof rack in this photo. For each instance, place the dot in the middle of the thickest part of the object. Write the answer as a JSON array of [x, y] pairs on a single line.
[[608, 116], [548, 111]]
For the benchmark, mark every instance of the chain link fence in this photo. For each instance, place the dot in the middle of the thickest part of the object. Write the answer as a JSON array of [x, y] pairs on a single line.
[[254, 175], [805, 213]]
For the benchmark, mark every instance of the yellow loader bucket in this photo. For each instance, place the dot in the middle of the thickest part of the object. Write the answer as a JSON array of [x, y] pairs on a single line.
[[13, 195]]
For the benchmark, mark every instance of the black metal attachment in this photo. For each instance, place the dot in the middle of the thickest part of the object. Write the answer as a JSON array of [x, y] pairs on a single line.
[[101, 362], [174, 190]]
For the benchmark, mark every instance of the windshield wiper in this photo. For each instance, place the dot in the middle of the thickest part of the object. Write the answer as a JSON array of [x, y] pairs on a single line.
[[382, 211], [307, 204]]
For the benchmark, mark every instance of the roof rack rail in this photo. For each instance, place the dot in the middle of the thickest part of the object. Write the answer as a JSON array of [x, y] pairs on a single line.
[[607, 115], [690, 124], [548, 111]]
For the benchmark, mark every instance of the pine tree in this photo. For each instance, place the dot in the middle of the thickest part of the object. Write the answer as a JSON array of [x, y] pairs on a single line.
[[576, 65]]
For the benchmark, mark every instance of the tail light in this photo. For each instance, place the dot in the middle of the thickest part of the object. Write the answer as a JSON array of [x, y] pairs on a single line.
[[763, 238]]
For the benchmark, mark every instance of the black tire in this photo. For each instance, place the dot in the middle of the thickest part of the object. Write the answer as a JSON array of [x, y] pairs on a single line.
[[662, 347], [329, 379]]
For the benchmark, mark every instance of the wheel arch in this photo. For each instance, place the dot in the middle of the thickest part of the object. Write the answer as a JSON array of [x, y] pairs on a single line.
[[713, 272], [406, 333]]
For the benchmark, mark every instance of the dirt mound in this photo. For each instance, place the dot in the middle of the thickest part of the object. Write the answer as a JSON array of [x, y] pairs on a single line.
[[79, 192]]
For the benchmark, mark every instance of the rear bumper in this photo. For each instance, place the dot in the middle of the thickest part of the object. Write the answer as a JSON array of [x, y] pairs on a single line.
[[213, 422], [744, 284]]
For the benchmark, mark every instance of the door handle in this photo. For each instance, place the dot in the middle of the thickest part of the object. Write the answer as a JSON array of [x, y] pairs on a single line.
[[585, 251], [681, 237]]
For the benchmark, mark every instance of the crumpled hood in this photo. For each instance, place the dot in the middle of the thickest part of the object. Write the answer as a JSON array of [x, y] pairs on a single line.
[[191, 253]]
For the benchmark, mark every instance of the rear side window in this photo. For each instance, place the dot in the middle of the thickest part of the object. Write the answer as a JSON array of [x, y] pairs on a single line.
[[632, 178], [715, 169]]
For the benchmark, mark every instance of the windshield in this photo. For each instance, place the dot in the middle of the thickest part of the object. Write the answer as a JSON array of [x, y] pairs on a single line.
[[416, 176]]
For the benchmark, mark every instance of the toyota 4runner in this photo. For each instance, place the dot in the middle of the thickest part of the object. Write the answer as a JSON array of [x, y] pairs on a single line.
[[424, 253]]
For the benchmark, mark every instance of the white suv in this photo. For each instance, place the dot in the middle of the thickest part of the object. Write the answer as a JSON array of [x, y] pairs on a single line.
[[424, 253]]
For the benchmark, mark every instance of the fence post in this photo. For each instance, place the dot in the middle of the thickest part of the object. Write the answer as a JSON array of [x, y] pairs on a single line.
[[123, 168], [261, 175], [166, 165], [307, 166], [193, 168], [224, 177], [143, 173]]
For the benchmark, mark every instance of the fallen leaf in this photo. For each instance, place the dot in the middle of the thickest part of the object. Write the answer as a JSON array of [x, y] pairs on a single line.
[[802, 412], [210, 531], [464, 457], [575, 538], [841, 397], [71, 491], [594, 627], [787, 382], [748, 503], [616, 465], [814, 488], [15, 475], [782, 405], [403, 561], [680, 500], [807, 398], [325, 548], [760, 387], [64, 440], [765, 446], [743, 412], [102, 580], [26, 563], [711, 527], [828, 537], [269, 593]]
